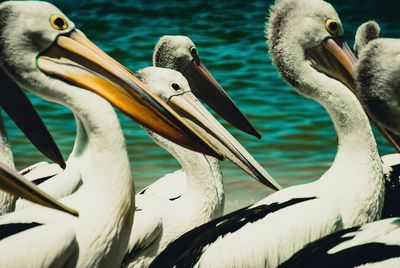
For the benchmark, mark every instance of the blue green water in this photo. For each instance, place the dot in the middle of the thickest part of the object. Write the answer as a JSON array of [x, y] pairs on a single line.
[[299, 141]]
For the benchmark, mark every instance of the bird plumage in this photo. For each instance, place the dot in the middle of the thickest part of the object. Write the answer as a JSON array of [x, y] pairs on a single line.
[[106, 198], [349, 193], [197, 195], [375, 244]]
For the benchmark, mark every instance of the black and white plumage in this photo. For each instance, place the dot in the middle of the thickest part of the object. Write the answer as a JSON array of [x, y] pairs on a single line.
[[16, 252], [179, 201], [41, 172], [375, 244], [366, 33], [391, 168], [348, 194], [187, 250], [197, 194], [59, 53]]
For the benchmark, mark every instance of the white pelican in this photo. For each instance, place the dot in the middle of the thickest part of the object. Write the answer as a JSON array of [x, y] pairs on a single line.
[[307, 47], [376, 244], [377, 83], [19, 108], [57, 62], [162, 215], [367, 92], [179, 53], [375, 76]]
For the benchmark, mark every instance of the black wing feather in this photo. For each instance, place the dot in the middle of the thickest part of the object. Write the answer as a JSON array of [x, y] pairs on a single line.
[[10, 229], [316, 254], [42, 179], [391, 202], [187, 249]]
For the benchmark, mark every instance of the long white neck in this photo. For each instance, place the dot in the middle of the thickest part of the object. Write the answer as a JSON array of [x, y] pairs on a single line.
[[105, 200], [355, 178], [204, 176], [356, 173], [101, 146]]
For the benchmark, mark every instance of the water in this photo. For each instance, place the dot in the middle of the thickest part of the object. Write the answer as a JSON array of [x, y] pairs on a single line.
[[299, 141]]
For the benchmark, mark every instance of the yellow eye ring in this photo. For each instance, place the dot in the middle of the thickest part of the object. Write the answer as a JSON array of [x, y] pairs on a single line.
[[58, 22], [332, 26]]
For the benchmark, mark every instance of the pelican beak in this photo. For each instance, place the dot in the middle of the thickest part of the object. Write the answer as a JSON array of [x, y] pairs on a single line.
[[76, 59], [21, 111], [197, 116], [14, 183], [207, 89], [335, 59]]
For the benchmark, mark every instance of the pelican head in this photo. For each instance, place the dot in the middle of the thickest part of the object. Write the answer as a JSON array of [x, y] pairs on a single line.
[[305, 39], [180, 53], [172, 87], [42, 51], [378, 83], [367, 31]]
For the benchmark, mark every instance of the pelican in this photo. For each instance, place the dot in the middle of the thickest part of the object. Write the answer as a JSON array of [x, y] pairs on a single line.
[[19, 108], [179, 53], [368, 92], [376, 244], [306, 43], [366, 68], [377, 86], [163, 215], [61, 65]]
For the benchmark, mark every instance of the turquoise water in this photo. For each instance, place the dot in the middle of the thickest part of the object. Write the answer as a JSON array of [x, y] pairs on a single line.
[[298, 143]]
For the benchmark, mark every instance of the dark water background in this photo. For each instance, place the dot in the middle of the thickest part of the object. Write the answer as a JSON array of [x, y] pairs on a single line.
[[299, 142]]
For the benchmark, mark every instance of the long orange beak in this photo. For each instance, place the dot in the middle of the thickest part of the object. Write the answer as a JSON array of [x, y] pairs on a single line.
[[77, 60]]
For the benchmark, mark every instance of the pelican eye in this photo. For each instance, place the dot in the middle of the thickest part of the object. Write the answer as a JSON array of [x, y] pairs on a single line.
[[193, 51], [175, 86], [332, 26], [195, 55], [58, 22]]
